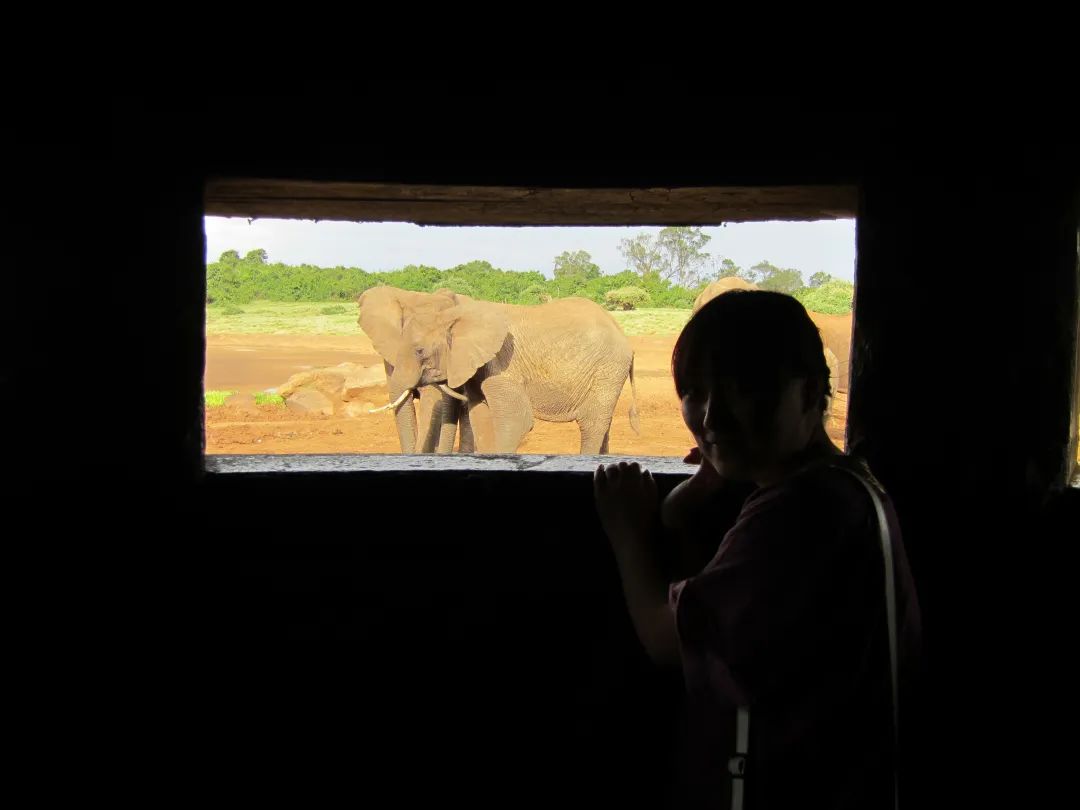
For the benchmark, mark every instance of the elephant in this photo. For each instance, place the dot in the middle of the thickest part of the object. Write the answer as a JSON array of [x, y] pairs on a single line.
[[383, 311], [719, 286], [835, 329], [836, 335], [562, 361]]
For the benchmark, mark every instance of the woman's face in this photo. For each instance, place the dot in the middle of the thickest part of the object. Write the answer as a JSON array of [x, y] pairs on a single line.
[[746, 436]]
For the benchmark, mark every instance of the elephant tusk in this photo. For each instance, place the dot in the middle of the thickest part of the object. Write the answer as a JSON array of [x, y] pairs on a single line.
[[446, 389], [393, 404]]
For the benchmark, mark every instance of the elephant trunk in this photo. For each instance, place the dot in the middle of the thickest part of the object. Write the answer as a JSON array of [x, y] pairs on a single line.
[[400, 387]]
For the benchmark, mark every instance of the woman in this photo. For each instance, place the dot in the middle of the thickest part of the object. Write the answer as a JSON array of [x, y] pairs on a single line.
[[788, 621]]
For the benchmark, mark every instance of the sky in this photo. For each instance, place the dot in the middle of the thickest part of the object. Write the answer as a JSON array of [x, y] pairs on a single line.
[[810, 247]]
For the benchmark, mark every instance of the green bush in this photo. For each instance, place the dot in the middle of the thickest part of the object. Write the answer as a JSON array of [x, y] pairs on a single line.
[[534, 294], [262, 398], [626, 298], [215, 399], [456, 284], [831, 298]]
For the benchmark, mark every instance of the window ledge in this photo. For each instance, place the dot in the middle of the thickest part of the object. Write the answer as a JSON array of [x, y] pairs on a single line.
[[387, 463]]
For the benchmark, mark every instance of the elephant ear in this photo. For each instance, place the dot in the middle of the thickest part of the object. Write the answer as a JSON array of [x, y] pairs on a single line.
[[382, 317], [475, 335]]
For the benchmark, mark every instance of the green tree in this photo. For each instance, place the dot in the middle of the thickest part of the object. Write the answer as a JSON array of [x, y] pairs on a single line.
[[726, 268], [578, 264], [779, 279], [567, 286], [675, 255], [642, 255], [418, 278], [681, 254], [818, 279], [257, 256]]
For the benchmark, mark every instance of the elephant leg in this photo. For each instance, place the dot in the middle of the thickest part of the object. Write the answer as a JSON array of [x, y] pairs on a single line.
[[511, 412], [833, 365], [594, 418], [594, 437], [437, 421], [481, 428]]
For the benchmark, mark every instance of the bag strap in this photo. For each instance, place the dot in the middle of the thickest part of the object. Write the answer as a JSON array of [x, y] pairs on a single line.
[[737, 763], [890, 615]]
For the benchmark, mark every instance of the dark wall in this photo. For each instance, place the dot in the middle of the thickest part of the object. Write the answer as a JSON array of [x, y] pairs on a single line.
[[454, 635]]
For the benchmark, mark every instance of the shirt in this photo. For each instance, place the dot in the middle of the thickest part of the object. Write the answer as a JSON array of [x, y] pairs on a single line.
[[789, 619]]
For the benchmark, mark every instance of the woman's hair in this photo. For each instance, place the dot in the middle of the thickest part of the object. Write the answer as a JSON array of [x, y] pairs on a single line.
[[760, 339]]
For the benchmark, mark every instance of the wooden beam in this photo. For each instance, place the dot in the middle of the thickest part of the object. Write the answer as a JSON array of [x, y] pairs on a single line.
[[493, 205]]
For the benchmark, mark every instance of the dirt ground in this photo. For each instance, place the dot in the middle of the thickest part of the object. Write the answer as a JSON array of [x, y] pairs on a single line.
[[251, 363]]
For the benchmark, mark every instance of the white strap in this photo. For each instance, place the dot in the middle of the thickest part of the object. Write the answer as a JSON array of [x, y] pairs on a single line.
[[890, 615], [737, 764]]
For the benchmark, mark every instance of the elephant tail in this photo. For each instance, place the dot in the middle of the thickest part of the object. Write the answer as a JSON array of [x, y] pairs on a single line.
[[634, 423]]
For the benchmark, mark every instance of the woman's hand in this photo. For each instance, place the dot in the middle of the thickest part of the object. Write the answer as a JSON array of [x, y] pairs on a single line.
[[626, 502], [706, 472], [684, 501]]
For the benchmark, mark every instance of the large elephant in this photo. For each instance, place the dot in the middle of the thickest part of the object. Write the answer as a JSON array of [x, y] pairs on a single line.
[[721, 285], [835, 329], [383, 313], [564, 361], [836, 335]]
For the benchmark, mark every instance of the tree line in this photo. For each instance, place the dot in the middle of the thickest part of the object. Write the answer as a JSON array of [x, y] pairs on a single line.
[[668, 269]]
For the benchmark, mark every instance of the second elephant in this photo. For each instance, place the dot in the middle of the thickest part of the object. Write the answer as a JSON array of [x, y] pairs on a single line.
[[835, 329]]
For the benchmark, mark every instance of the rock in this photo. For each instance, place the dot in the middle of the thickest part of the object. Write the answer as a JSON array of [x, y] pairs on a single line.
[[328, 381], [341, 382], [309, 400], [361, 379]]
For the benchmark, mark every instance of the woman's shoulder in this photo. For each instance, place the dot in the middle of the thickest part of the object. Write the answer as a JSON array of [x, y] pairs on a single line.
[[827, 487]]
